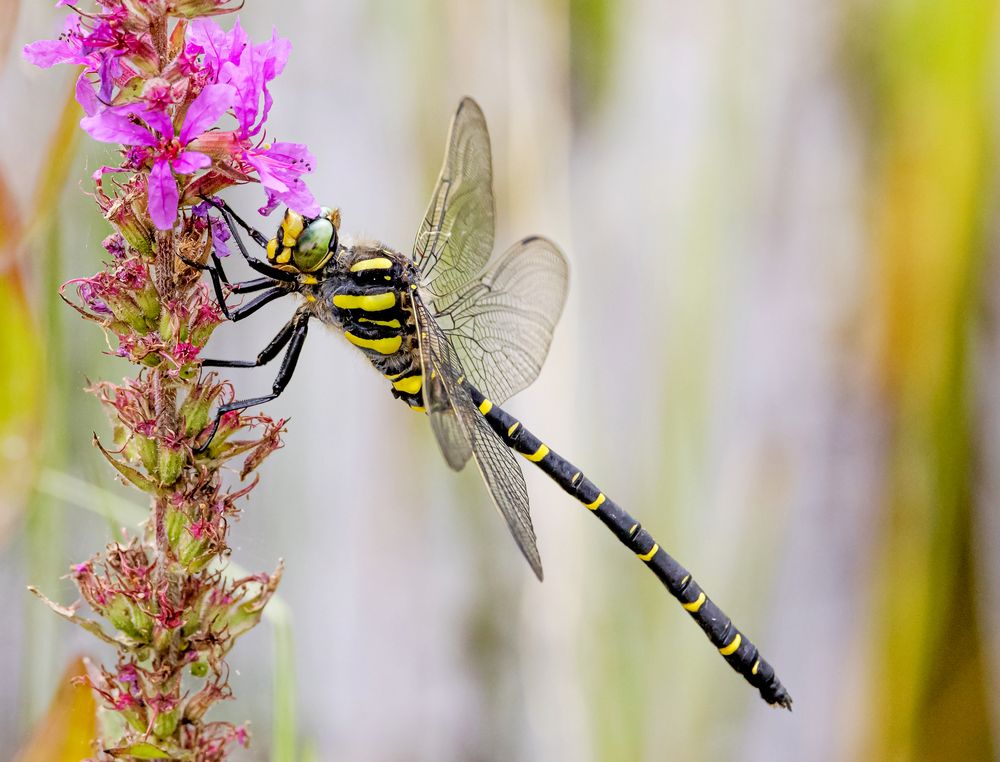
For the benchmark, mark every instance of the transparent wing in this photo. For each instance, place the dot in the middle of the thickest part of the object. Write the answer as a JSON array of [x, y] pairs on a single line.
[[501, 323], [456, 237], [462, 431]]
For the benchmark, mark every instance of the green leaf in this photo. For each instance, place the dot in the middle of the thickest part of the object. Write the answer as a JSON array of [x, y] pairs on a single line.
[[139, 751]]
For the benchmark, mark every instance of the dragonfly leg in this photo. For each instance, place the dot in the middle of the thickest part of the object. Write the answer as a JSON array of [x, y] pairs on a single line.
[[294, 335], [232, 221], [246, 310]]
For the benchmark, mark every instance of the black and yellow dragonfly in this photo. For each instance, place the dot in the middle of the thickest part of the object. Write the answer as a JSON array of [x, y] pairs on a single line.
[[457, 330]]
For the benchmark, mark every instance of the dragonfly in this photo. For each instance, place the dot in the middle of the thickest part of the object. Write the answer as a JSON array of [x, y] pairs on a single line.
[[456, 330]]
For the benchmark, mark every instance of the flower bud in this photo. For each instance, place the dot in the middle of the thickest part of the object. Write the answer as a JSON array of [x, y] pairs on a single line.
[[146, 448], [193, 8], [168, 326], [194, 411], [165, 724], [176, 522], [162, 639], [124, 307], [149, 302], [128, 618], [172, 458], [190, 549], [229, 424], [199, 669], [123, 216]]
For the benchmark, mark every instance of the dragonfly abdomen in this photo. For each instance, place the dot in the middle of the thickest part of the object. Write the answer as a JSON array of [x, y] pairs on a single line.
[[737, 649]]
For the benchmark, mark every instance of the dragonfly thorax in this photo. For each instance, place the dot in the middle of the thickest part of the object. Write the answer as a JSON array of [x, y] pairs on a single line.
[[365, 292]]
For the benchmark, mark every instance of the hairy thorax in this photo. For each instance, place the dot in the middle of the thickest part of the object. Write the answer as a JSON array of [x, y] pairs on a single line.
[[365, 292]]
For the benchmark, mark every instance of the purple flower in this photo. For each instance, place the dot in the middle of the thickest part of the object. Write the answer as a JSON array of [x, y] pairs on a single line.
[[280, 167], [98, 49], [218, 228], [124, 124], [230, 58]]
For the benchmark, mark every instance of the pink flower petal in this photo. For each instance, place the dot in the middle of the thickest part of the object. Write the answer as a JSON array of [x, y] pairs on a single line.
[[66, 49], [159, 120], [280, 168], [111, 126], [163, 195], [211, 103], [85, 95], [48, 53], [189, 162]]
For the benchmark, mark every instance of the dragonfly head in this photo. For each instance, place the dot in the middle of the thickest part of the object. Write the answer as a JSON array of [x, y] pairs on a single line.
[[304, 244]]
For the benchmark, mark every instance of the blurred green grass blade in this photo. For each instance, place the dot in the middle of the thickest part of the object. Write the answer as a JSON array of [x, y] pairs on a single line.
[[21, 391], [73, 491], [932, 73], [592, 49], [284, 729]]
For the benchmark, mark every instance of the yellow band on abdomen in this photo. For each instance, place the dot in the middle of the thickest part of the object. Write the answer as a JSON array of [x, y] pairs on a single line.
[[597, 502], [649, 556], [485, 406], [696, 604], [382, 346], [731, 648], [538, 454], [368, 302]]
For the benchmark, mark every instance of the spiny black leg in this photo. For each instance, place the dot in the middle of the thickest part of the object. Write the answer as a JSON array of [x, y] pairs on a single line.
[[255, 304], [226, 209], [262, 267], [249, 286], [296, 338], [218, 276], [267, 354]]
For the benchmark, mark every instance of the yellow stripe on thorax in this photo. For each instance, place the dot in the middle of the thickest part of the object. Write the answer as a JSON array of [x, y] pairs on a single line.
[[382, 346], [387, 323], [731, 648], [368, 302], [538, 454], [409, 385], [696, 604], [375, 263]]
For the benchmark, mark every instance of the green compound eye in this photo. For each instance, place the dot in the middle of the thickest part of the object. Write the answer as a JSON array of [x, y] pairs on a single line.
[[315, 244]]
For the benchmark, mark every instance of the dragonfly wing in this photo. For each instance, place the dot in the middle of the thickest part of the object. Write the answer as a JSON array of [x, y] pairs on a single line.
[[501, 323], [455, 239], [461, 432]]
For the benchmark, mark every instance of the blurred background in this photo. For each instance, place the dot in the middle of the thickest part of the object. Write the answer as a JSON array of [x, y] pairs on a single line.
[[780, 352]]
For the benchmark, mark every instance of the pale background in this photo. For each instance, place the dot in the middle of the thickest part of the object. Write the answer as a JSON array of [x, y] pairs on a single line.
[[780, 353]]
